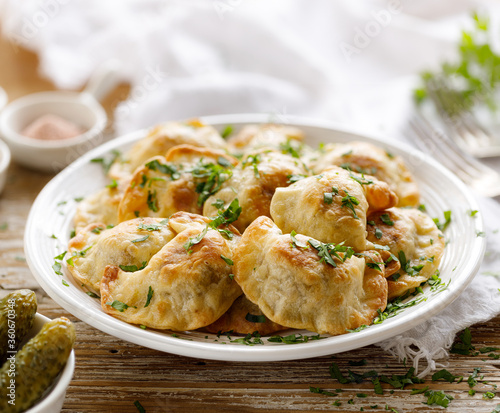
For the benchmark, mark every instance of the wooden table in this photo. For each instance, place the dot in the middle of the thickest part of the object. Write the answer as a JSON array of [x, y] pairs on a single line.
[[112, 374]]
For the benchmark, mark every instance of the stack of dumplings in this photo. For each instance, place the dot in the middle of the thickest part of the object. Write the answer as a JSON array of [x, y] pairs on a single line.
[[254, 233]]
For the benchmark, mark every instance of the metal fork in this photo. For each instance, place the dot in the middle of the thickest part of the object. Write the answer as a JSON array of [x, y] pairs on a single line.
[[477, 175], [462, 125]]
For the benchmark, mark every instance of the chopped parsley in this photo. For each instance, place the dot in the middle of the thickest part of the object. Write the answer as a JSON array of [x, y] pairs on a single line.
[[228, 261], [447, 219], [350, 201], [139, 407], [141, 239], [106, 163], [295, 178], [152, 201], [150, 295], [293, 338], [149, 227], [228, 130], [255, 318], [295, 242], [168, 169], [292, 147], [219, 203], [444, 375], [113, 184], [327, 252], [386, 219], [320, 391], [118, 305], [210, 177], [360, 180], [464, 344], [251, 339], [437, 397], [93, 295], [252, 160], [133, 268]]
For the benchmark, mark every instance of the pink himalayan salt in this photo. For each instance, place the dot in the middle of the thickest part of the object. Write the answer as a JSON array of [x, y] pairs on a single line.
[[51, 127]]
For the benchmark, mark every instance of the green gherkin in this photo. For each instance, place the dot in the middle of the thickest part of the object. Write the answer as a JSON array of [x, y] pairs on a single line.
[[17, 310], [37, 364]]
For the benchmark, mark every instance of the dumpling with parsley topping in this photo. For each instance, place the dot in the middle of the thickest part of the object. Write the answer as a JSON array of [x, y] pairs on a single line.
[[128, 245], [254, 182], [252, 137], [180, 181], [414, 239], [163, 137], [302, 283], [186, 285], [331, 207], [363, 157]]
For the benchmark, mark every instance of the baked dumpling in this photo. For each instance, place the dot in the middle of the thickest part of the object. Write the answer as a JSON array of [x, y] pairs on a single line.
[[101, 207], [163, 137], [239, 320], [295, 287], [363, 157], [253, 137], [414, 238], [254, 182], [185, 286], [180, 181], [129, 245], [331, 207]]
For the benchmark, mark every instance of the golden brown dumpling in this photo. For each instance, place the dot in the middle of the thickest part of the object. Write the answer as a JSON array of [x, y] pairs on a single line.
[[294, 287], [235, 320], [165, 185], [185, 286], [129, 244], [163, 137], [413, 237], [253, 137], [330, 207], [369, 159], [254, 182], [101, 207]]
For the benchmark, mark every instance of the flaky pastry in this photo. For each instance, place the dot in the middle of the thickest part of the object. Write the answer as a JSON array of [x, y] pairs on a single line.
[[294, 287], [414, 239]]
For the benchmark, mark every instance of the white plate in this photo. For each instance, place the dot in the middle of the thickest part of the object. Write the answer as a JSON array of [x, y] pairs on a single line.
[[440, 189]]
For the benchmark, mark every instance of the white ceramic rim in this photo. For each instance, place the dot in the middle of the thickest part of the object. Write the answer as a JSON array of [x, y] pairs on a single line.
[[5, 156], [213, 351], [59, 389], [3, 98], [85, 99]]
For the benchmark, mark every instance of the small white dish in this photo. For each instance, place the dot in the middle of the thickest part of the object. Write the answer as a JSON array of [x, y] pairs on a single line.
[[54, 209], [53, 400], [4, 164], [81, 108]]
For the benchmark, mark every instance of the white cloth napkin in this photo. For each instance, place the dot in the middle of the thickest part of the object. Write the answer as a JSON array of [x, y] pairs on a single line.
[[354, 62]]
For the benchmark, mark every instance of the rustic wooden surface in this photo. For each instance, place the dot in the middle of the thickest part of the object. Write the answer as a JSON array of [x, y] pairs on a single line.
[[111, 374]]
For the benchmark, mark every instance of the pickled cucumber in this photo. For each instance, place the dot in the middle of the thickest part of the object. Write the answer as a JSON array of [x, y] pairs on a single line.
[[24, 379], [17, 314]]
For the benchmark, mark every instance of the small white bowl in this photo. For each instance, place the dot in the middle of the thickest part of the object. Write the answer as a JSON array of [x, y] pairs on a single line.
[[80, 108], [53, 400], [4, 164]]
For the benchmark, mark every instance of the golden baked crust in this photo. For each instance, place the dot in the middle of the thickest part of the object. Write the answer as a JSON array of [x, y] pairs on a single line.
[[189, 288], [415, 235], [101, 207], [120, 245], [234, 320], [319, 207], [254, 182], [294, 288], [165, 185], [371, 160], [253, 137], [163, 137]]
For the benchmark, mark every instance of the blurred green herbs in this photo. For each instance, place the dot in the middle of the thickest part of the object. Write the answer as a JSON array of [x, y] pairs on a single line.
[[469, 82]]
